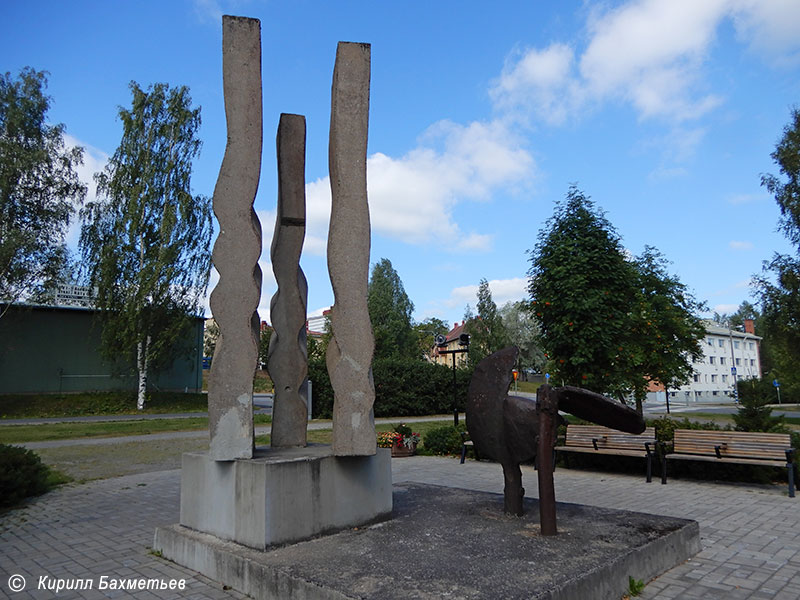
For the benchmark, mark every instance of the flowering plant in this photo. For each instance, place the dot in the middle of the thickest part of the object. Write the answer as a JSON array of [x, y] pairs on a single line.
[[402, 435]]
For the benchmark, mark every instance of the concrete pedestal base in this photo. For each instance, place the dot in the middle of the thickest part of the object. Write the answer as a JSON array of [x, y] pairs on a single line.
[[283, 495], [450, 543]]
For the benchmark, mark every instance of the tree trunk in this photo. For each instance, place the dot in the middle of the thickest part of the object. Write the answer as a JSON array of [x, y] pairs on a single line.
[[141, 364]]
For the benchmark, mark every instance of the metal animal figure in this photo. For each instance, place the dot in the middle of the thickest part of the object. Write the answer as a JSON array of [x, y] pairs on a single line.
[[515, 429]]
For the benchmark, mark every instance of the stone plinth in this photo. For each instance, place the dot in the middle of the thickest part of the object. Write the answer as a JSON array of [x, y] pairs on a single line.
[[283, 495], [451, 543]]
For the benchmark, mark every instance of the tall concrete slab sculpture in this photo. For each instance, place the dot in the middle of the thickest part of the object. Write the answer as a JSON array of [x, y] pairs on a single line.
[[349, 357], [288, 354], [236, 251]]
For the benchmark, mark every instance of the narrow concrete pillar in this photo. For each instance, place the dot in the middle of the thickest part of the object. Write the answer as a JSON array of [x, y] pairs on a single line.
[[236, 251], [349, 356], [288, 354]]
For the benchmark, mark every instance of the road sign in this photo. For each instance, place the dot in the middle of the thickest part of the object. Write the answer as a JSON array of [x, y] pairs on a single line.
[[733, 370], [776, 383]]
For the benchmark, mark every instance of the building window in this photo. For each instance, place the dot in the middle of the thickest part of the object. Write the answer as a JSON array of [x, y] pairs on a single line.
[[752, 362], [715, 393], [721, 343], [711, 360], [738, 361], [696, 379], [710, 342], [736, 344], [724, 378], [722, 360], [713, 379], [752, 345]]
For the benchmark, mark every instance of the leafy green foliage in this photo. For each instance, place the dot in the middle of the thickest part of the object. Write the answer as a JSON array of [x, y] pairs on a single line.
[[582, 290], [665, 332], [390, 312], [22, 474], [443, 440], [145, 241], [486, 329], [403, 387], [778, 286], [608, 323], [426, 332], [635, 586], [39, 187], [263, 346]]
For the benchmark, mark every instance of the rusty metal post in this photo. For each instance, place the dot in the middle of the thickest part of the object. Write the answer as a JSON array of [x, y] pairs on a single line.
[[547, 410]]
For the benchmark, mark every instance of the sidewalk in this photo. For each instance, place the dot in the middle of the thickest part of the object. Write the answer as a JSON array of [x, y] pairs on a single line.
[[750, 534]]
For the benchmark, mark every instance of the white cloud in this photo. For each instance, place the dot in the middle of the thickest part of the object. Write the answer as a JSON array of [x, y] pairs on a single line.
[[737, 245], [541, 82], [725, 309], [94, 161], [503, 290], [740, 199], [413, 198], [648, 53], [770, 27]]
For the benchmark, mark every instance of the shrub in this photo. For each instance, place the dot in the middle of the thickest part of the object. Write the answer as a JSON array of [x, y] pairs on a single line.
[[22, 474], [444, 440], [403, 388]]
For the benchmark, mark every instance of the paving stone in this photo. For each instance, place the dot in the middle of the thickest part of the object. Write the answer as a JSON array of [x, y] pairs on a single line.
[[115, 520]]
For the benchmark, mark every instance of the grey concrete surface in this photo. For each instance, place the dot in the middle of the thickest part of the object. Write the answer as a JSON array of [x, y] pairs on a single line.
[[288, 355], [750, 534], [282, 495], [447, 542], [350, 350]]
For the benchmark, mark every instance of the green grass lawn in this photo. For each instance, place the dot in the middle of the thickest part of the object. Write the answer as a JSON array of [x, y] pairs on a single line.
[[17, 434], [28, 406]]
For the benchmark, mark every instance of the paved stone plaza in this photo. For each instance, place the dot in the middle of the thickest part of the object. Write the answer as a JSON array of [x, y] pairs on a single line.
[[750, 534]]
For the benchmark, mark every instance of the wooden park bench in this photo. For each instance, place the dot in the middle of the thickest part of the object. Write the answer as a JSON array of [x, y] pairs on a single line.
[[739, 447], [595, 439]]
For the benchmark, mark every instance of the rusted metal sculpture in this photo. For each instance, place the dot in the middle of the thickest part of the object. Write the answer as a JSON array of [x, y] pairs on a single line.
[[515, 429]]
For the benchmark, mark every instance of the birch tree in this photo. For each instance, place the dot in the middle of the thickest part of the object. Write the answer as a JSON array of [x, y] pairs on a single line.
[[39, 188], [145, 241]]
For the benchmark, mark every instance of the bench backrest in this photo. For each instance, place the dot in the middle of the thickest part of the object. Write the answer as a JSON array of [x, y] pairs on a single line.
[[606, 438], [739, 444]]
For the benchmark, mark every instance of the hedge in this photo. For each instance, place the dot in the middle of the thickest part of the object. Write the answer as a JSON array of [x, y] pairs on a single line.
[[403, 388]]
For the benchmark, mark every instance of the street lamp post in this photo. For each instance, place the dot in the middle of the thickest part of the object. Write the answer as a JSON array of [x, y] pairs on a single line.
[[463, 341]]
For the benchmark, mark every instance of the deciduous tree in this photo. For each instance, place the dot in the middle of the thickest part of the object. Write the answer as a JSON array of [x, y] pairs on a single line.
[[778, 286], [39, 187], [609, 323], [582, 292], [523, 332], [145, 241]]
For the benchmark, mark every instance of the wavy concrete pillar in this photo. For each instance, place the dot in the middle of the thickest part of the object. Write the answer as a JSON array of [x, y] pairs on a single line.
[[349, 357], [236, 251], [288, 354]]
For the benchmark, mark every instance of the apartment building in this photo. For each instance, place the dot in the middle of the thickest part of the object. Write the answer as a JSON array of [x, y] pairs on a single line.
[[728, 355]]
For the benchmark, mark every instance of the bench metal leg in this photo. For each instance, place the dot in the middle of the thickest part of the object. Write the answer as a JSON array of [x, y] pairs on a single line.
[[790, 467], [663, 470], [463, 452], [649, 468]]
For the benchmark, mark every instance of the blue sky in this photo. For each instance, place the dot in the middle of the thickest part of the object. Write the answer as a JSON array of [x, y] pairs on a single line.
[[665, 112]]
